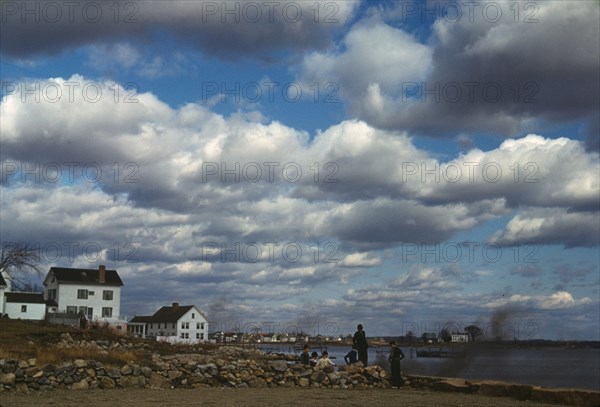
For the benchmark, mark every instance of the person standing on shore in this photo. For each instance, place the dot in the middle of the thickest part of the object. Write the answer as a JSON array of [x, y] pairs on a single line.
[[396, 355], [304, 358], [359, 342]]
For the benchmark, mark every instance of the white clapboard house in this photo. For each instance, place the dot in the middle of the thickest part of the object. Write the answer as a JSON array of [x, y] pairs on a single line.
[[20, 305], [24, 305], [93, 293], [176, 324]]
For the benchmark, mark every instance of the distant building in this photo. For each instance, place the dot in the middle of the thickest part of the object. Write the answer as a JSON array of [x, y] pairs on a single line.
[[460, 337], [93, 293], [177, 323]]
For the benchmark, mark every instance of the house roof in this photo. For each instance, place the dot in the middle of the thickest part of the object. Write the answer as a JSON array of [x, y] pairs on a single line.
[[170, 314], [25, 298], [141, 319], [83, 276], [167, 314]]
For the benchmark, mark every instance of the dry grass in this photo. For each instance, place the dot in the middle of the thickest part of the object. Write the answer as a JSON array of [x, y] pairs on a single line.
[[54, 355], [20, 339], [32, 339]]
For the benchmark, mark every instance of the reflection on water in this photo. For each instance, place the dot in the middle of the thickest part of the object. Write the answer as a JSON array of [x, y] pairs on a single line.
[[551, 367]]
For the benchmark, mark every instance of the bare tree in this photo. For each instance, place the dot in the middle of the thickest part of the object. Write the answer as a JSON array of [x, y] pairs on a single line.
[[27, 286], [17, 261]]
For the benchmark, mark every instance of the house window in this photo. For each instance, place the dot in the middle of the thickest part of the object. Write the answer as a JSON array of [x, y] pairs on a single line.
[[193, 315], [202, 336], [151, 326], [82, 294], [90, 293], [198, 325], [107, 295], [71, 309], [182, 336], [52, 294], [87, 311], [202, 325], [107, 312], [23, 308], [197, 336]]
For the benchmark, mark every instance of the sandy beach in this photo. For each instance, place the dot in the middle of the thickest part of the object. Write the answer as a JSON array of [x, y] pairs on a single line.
[[255, 397]]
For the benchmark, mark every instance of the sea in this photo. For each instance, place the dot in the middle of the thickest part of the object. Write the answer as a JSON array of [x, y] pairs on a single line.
[[544, 366]]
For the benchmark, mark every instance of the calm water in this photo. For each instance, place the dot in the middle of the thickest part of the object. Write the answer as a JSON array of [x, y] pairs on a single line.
[[545, 367]]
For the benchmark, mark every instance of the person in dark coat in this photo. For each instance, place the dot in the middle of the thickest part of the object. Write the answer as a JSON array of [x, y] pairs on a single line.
[[304, 358], [351, 357], [359, 342], [396, 355]]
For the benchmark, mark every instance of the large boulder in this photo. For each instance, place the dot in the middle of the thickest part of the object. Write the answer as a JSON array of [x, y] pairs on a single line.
[[278, 365], [106, 383], [133, 381], [7, 378], [257, 383], [158, 382], [80, 385]]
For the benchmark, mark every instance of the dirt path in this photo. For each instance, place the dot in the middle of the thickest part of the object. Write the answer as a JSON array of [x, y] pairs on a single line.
[[292, 397]]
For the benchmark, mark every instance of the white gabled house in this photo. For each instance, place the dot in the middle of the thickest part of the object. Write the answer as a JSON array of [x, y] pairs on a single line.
[[177, 323], [95, 293], [23, 305]]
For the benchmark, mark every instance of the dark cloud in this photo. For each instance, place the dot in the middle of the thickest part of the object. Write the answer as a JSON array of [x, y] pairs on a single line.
[[259, 30], [477, 75]]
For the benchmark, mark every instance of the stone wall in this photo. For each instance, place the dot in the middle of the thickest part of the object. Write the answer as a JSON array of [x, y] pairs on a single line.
[[223, 367]]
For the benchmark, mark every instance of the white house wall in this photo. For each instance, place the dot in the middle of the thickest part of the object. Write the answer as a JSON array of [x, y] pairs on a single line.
[[193, 332], [162, 329], [66, 296], [33, 311], [2, 299], [175, 331], [2, 291]]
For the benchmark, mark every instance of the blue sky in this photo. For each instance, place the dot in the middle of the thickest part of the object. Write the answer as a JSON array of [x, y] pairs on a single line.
[[396, 163]]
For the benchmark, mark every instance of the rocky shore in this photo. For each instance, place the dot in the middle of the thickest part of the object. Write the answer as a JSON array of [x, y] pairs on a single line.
[[231, 367]]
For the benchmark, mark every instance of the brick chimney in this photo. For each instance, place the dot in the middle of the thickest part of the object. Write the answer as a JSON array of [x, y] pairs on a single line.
[[175, 305], [102, 274]]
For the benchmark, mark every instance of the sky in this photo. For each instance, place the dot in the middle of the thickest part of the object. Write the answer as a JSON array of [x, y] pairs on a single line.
[[311, 165]]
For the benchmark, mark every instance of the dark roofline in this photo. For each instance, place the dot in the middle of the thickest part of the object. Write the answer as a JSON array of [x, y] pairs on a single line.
[[65, 275], [24, 297], [141, 319]]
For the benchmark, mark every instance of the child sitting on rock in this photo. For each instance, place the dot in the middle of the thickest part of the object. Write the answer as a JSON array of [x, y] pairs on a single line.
[[324, 361]]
